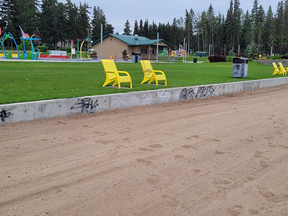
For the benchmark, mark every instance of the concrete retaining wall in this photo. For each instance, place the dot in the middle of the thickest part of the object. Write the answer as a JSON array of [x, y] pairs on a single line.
[[18, 112]]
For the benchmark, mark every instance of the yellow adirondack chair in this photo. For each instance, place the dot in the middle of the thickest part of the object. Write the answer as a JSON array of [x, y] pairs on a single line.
[[113, 75], [150, 74], [276, 69], [282, 69]]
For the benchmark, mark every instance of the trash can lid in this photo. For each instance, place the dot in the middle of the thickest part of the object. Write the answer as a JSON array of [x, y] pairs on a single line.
[[240, 60]]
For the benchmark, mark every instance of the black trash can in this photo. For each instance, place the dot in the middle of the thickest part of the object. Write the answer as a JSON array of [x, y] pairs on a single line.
[[195, 60], [240, 67], [136, 57]]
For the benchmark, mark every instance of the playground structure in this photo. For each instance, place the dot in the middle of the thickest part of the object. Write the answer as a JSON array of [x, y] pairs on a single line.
[[5, 37], [24, 37], [79, 51], [31, 39]]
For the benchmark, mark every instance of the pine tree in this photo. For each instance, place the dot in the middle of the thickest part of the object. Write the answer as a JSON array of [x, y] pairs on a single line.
[[146, 28], [237, 25], [211, 29], [247, 31], [280, 26], [229, 24], [267, 30], [83, 21], [48, 23], [136, 28], [98, 19], [127, 30], [71, 14], [61, 22], [254, 19], [141, 31]]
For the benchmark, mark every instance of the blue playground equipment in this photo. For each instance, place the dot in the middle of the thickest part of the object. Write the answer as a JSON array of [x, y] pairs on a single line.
[[8, 36], [24, 38], [31, 39]]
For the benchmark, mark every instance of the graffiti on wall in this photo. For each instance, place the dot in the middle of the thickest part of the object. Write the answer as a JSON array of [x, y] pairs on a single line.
[[5, 114], [163, 96], [115, 100], [147, 99], [202, 92], [87, 105]]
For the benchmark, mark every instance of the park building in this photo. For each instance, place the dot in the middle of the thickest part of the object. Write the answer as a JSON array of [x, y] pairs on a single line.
[[113, 45]]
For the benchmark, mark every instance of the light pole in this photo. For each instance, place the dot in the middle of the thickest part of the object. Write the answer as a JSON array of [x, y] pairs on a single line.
[[87, 39]]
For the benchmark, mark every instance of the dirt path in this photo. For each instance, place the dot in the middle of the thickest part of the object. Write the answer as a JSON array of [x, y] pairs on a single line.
[[226, 155]]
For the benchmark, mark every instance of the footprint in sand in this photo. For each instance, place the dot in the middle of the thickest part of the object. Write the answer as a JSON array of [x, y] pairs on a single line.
[[272, 197], [170, 201], [258, 154], [144, 162], [154, 179], [251, 177], [177, 157], [283, 146], [105, 142], [145, 149], [235, 210], [188, 146], [223, 184], [156, 146]]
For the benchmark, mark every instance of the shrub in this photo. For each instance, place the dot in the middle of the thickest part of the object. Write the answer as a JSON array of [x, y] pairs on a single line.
[[231, 53], [67, 49], [27, 46], [229, 58], [275, 57], [284, 57], [251, 51], [217, 58], [242, 55], [50, 47], [41, 48]]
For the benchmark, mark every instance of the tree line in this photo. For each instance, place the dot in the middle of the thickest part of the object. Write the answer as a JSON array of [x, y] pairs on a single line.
[[236, 32], [53, 21]]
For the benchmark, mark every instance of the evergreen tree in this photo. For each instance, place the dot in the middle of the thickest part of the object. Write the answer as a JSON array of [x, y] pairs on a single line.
[[136, 28], [188, 27], [254, 19], [152, 31], [71, 14], [237, 25], [109, 29], [127, 30], [211, 29], [267, 30], [61, 22], [98, 19], [141, 31], [7, 12], [83, 21], [246, 35], [229, 24], [146, 28], [280, 26], [260, 29], [48, 22]]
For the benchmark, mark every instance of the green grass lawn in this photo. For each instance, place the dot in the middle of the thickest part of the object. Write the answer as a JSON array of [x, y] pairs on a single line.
[[31, 81]]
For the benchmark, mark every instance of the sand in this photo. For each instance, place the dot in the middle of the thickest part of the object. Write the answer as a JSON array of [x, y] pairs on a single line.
[[226, 155]]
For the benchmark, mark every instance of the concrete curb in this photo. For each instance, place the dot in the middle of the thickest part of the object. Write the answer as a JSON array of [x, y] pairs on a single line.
[[19, 112]]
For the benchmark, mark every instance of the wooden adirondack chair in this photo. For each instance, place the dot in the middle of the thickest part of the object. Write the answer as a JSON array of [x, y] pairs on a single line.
[[113, 75], [150, 74], [276, 69], [282, 69]]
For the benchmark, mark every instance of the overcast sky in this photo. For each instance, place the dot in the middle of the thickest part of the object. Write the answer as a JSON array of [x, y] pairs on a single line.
[[163, 11]]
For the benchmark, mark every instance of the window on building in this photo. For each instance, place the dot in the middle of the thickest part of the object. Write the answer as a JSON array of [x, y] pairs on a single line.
[[144, 51]]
